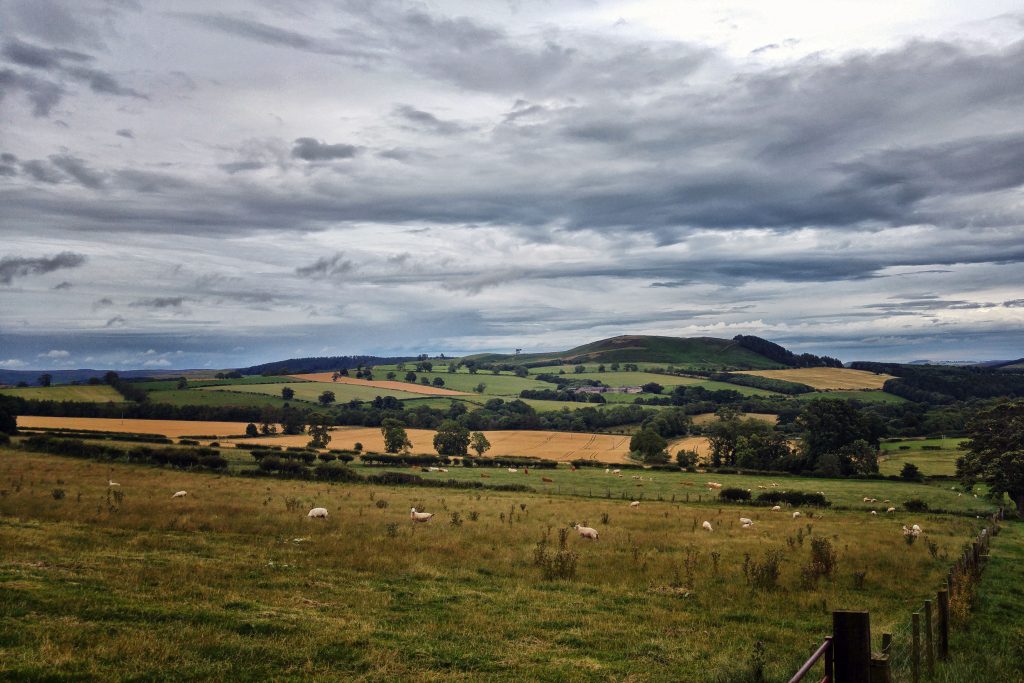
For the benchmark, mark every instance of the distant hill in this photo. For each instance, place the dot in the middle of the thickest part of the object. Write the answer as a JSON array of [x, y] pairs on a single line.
[[31, 377], [295, 366], [692, 352]]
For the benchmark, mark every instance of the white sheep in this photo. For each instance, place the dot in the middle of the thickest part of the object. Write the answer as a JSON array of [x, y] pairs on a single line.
[[512, 470], [114, 483], [776, 508], [318, 513], [916, 528], [714, 485], [874, 512], [915, 531], [796, 514], [433, 469], [420, 516], [635, 504], [180, 494], [616, 471], [606, 470], [586, 532], [890, 511], [747, 526], [707, 525], [746, 521]]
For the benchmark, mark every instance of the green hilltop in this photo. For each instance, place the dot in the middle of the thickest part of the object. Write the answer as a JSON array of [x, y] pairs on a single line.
[[691, 352]]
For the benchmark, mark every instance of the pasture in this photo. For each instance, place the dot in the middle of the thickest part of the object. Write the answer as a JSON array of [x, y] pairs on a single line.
[[233, 582], [409, 387], [310, 391], [827, 379], [78, 393], [931, 462]]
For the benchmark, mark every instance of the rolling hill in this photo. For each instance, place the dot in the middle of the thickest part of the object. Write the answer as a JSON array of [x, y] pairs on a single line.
[[694, 353]]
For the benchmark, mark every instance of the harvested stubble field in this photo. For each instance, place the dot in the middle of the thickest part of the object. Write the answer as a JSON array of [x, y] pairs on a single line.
[[826, 379], [552, 445], [563, 446], [410, 387], [234, 583]]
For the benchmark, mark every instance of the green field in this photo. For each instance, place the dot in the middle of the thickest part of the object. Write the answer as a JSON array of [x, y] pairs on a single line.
[[497, 385], [195, 397], [83, 393], [928, 461], [310, 391], [234, 583], [164, 384]]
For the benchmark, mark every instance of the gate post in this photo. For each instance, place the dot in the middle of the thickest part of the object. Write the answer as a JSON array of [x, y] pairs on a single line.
[[852, 645]]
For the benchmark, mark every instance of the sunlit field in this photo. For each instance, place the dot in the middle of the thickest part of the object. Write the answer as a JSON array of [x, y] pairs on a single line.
[[826, 378]]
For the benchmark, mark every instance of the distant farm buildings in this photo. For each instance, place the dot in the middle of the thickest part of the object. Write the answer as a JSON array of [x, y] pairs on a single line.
[[609, 390]]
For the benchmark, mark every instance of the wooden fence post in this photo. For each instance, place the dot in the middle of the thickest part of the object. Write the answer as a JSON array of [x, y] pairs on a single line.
[[943, 624], [929, 651], [915, 648], [852, 644]]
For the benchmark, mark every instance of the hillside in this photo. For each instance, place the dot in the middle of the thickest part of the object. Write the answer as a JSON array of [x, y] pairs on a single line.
[[694, 353]]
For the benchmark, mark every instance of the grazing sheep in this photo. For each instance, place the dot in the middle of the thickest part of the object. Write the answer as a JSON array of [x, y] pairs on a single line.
[[796, 514], [776, 508], [606, 470], [886, 501], [616, 471], [512, 470], [914, 531], [890, 511], [318, 513], [547, 480], [747, 526], [746, 521], [114, 483], [433, 469], [635, 504], [916, 528], [420, 516], [874, 512], [714, 485], [865, 499], [180, 494], [586, 532], [707, 525]]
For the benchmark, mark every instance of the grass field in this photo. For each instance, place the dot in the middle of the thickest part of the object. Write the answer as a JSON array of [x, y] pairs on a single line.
[[418, 388], [930, 462], [706, 418], [310, 391], [222, 397], [234, 583], [826, 378], [85, 393], [165, 384]]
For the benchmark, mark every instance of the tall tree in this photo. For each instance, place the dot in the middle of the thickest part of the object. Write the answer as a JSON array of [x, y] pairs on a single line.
[[287, 393], [326, 398], [649, 445], [45, 379], [319, 435], [479, 443], [395, 437], [827, 425], [452, 438], [995, 451]]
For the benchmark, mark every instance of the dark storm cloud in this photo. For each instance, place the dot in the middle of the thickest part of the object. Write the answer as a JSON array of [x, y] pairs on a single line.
[[17, 266], [429, 122], [311, 149], [326, 266]]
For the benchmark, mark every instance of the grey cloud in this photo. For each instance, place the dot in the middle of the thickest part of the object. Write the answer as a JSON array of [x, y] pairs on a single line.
[[240, 166], [1014, 303], [326, 267], [8, 158], [102, 82], [116, 321], [271, 35], [63, 285], [125, 133], [43, 94], [8, 171], [26, 54], [79, 170], [159, 302], [42, 171], [311, 149], [428, 121], [17, 266]]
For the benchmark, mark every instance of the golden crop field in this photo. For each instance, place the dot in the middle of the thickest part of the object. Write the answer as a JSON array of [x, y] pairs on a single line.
[[561, 446], [171, 428], [551, 445], [410, 387], [707, 418], [827, 378]]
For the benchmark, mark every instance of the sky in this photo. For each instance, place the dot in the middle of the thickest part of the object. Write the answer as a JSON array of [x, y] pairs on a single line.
[[193, 184]]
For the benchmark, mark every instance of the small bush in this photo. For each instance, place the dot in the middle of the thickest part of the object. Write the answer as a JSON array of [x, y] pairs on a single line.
[[915, 505], [823, 557], [559, 564], [763, 574], [381, 504], [58, 494], [794, 498], [734, 495], [392, 529]]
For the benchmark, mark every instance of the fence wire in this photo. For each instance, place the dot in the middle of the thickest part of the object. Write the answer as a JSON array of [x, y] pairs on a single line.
[[901, 649]]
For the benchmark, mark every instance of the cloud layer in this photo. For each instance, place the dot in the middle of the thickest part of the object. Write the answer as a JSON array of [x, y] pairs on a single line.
[[397, 177]]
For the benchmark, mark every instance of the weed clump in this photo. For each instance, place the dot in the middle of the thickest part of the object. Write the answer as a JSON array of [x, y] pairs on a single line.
[[555, 564]]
